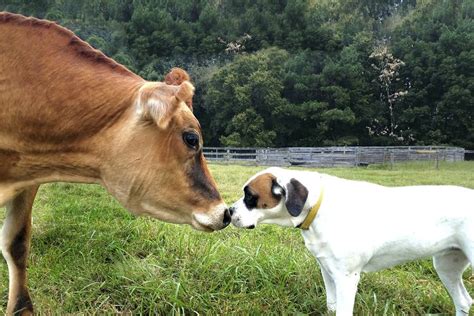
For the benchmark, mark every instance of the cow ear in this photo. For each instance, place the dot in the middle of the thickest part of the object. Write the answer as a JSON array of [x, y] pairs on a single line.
[[296, 195], [177, 77], [156, 102], [185, 93]]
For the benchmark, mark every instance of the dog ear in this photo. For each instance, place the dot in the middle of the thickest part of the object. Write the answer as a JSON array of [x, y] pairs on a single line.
[[296, 195]]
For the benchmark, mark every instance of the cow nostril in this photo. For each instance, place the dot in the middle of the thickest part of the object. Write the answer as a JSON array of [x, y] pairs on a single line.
[[231, 210], [227, 217]]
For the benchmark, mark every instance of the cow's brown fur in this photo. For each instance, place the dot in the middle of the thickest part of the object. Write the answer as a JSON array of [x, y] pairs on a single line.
[[176, 77], [69, 113], [66, 90], [77, 45]]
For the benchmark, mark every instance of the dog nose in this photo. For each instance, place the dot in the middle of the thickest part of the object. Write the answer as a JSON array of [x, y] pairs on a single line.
[[227, 217], [231, 210]]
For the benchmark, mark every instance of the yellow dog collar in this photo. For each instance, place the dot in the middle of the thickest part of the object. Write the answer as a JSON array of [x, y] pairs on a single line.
[[313, 212]]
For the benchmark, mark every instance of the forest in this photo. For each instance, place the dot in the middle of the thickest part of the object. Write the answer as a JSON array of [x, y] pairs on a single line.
[[281, 73]]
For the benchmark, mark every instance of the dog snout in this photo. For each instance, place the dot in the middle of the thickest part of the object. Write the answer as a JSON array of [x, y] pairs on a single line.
[[231, 210], [227, 217]]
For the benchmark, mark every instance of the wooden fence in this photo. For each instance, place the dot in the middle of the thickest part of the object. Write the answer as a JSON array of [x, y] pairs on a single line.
[[332, 156], [469, 155]]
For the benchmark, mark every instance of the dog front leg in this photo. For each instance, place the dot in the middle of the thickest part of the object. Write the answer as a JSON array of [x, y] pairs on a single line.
[[330, 289], [346, 288]]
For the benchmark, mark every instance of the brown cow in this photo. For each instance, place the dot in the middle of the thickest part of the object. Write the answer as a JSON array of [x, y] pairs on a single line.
[[69, 113]]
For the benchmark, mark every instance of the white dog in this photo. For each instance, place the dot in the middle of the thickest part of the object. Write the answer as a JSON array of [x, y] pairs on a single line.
[[353, 227]]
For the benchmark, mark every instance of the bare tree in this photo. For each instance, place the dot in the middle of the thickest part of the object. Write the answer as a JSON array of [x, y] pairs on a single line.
[[388, 69], [237, 46]]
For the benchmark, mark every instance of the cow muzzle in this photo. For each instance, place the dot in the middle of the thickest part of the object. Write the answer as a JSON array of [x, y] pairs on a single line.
[[216, 219]]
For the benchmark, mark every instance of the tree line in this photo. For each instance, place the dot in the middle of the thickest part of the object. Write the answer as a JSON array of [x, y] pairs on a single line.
[[297, 72]]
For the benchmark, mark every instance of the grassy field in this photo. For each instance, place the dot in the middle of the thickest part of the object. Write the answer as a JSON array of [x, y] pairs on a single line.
[[91, 256]]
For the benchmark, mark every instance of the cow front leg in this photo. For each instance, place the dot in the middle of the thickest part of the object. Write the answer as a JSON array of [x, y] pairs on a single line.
[[15, 237]]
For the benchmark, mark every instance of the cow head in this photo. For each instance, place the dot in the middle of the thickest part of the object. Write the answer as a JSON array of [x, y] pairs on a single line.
[[158, 167]]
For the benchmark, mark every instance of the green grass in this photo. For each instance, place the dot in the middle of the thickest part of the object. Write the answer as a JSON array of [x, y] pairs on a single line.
[[91, 256]]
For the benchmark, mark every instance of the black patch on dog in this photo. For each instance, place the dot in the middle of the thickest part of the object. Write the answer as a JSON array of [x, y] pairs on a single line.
[[23, 303], [296, 197], [250, 200], [199, 180], [18, 249]]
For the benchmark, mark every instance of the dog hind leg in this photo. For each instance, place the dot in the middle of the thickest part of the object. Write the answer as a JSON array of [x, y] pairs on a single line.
[[450, 267], [16, 234], [467, 244]]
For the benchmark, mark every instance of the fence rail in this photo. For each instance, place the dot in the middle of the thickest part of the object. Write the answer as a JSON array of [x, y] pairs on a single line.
[[332, 156]]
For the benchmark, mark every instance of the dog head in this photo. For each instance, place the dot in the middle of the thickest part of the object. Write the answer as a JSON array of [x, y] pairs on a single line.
[[272, 196]]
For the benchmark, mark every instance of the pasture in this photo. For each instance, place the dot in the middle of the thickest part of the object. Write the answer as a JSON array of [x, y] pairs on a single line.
[[89, 255]]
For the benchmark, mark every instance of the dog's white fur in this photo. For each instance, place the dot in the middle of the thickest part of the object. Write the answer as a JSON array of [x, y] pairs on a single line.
[[364, 227]]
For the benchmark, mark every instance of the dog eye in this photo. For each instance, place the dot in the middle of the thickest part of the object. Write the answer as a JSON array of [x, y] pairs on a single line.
[[248, 197], [250, 200]]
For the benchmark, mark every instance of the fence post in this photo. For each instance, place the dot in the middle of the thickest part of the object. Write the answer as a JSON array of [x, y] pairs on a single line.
[[391, 159], [357, 163], [437, 160]]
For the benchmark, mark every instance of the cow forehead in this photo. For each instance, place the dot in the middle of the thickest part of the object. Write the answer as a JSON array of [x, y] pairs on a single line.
[[186, 118]]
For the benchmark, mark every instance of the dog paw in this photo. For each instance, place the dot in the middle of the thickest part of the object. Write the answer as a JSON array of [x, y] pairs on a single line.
[[331, 307]]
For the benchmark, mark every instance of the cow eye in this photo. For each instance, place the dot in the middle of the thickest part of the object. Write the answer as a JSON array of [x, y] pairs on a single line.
[[191, 139]]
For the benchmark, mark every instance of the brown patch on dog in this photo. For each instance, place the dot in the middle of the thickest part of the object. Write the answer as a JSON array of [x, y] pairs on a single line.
[[261, 187]]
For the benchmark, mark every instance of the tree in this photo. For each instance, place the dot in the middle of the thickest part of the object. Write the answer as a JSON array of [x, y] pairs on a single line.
[[387, 67], [247, 130], [250, 82], [301, 66]]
